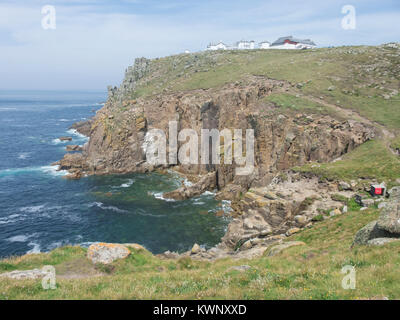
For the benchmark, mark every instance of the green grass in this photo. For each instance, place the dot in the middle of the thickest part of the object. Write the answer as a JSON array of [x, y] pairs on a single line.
[[288, 102], [371, 160], [360, 76], [305, 272]]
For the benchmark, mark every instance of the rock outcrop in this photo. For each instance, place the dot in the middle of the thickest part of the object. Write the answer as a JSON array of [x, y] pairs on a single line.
[[206, 183], [387, 227], [106, 253]]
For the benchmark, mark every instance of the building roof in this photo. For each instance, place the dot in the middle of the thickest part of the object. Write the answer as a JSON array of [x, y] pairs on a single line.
[[265, 42], [281, 41], [216, 43]]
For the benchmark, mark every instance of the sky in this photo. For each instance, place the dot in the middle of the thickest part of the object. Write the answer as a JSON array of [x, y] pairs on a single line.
[[96, 40]]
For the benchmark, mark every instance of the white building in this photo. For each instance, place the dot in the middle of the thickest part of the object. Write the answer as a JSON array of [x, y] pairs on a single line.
[[292, 43], [288, 42], [244, 44], [264, 45], [217, 46]]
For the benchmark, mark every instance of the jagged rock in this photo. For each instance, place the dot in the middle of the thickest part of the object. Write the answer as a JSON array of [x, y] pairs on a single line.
[[83, 127], [73, 147], [344, 186], [65, 138], [106, 253], [206, 183], [24, 274], [168, 255], [247, 245], [195, 249], [280, 247]]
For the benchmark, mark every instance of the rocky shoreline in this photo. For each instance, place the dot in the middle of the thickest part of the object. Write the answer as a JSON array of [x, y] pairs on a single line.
[[268, 205]]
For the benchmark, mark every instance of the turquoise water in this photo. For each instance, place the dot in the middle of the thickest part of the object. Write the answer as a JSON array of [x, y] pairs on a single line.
[[40, 210]]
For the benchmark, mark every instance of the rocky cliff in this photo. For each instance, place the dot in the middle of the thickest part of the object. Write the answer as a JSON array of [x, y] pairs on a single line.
[[283, 138]]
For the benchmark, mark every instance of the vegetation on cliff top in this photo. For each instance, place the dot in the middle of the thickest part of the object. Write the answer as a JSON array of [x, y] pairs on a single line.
[[304, 272], [365, 78]]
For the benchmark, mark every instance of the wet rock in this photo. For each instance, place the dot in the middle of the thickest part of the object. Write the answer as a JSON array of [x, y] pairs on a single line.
[[65, 138], [73, 147], [206, 183], [106, 253]]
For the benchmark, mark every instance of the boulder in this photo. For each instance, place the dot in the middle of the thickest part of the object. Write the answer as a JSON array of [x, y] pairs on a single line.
[[389, 219], [344, 186], [367, 202], [106, 253], [369, 232], [195, 249], [300, 219], [24, 274]]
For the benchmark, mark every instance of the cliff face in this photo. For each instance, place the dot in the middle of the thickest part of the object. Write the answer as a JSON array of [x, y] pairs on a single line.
[[284, 138]]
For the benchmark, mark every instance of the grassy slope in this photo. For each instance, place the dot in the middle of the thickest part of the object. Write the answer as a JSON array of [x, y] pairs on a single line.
[[306, 272], [355, 78], [360, 75]]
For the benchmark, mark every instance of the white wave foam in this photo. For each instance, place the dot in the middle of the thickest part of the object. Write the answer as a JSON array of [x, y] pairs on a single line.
[[76, 133], [187, 183], [33, 209], [102, 206], [58, 141], [127, 184], [159, 195], [208, 193], [35, 249], [20, 238], [53, 170], [24, 155], [11, 219]]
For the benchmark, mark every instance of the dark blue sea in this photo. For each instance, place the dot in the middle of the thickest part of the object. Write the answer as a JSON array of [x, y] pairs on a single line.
[[41, 210]]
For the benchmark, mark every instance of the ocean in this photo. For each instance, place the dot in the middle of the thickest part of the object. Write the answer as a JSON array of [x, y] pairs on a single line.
[[40, 210]]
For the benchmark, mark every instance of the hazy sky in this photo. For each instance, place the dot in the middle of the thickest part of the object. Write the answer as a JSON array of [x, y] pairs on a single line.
[[95, 40]]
